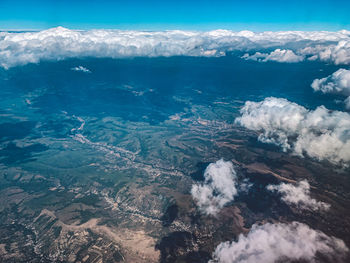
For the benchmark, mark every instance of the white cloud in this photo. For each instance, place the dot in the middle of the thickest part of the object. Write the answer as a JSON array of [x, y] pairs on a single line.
[[218, 189], [61, 43], [272, 242], [337, 53], [279, 55], [319, 133], [245, 185], [298, 196], [82, 69], [337, 83]]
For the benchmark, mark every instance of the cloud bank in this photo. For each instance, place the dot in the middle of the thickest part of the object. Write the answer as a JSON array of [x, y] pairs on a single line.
[[272, 242], [218, 189], [337, 83], [319, 133], [61, 43], [298, 196], [336, 53], [279, 55]]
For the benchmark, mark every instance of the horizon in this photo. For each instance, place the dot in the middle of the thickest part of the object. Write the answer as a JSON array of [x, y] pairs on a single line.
[[20, 30], [257, 16]]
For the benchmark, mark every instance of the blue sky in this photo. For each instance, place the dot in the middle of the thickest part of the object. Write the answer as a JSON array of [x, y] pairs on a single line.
[[159, 15]]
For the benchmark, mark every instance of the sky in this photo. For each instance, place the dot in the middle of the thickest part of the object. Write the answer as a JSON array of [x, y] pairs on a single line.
[[180, 14]]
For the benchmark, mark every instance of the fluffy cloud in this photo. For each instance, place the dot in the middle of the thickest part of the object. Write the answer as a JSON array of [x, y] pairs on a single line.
[[244, 186], [319, 133], [60, 43], [337, 53], [279, 55], [298, 196], [218, 189], [272, 242], [82, 69], [337, 83]]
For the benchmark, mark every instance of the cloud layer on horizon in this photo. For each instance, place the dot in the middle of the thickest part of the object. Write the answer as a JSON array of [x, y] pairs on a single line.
[[298, 196], [336, 83], [61, 43], [218, 188], [269, 243], [321, 134]]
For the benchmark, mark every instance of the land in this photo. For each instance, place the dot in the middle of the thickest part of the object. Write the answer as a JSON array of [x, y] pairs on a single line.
[[86, 178]]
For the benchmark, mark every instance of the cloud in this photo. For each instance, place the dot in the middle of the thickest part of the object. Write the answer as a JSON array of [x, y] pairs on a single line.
[[269, 243], [60, 43], [319, 133], [337, 83], [82, 69], [218, 189], [245, 185], [298, 196], [337, 53], [279, 55]]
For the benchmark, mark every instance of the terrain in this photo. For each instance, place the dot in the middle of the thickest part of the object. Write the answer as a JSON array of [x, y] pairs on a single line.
[[98, 166]]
